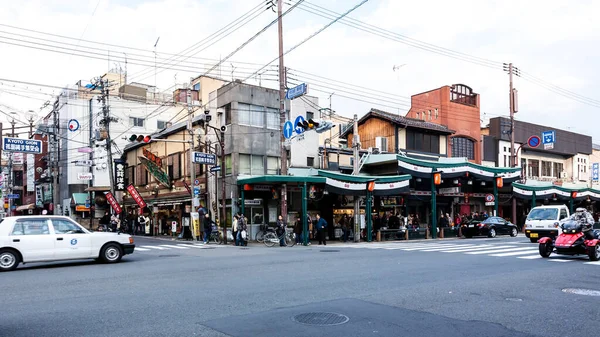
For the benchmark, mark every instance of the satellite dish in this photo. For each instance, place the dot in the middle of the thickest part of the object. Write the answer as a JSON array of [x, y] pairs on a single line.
[[39, 170]]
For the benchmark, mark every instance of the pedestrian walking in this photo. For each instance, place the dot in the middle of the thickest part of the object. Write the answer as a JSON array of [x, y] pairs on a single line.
[[115, 223], [298, 230], [242, 234], [280, 229], [207, 226], [104, 222], [234, 230], [321, 228]]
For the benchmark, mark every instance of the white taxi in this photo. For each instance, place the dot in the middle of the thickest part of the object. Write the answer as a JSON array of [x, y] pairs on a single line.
[[26, 239]]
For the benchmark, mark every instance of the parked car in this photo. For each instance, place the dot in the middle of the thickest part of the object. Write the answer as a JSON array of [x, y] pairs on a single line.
[[489, 227], [25, 239]]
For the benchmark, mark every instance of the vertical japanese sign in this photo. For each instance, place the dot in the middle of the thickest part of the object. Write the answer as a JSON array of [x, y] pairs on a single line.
[[120, 167], [595, 172], [39, 196], [136, 196], [113, 202], [30, 172]]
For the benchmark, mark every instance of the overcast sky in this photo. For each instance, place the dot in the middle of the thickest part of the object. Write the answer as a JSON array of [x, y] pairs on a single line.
[[553, 43]]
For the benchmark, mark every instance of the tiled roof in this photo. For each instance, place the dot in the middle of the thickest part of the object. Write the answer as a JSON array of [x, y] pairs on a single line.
[[595, 146], [401, 120]]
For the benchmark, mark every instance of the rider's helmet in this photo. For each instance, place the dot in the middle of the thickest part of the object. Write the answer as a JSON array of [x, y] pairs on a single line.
[[580, 210]]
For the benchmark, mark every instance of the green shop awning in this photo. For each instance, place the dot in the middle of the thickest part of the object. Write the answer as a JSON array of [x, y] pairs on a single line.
[[346, 184], [79, 198], [279, 179], [524, 191], [456, 168]]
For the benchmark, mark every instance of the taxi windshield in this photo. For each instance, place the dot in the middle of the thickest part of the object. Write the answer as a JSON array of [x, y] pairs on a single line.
[[543, 214]]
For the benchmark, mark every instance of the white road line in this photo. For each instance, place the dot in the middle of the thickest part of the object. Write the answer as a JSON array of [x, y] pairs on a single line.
[[531, 257], [445, 248], [192, 246], [138, 249], [561, 260], [430, 246], [525, 252], [154, 247], [596, 263], [494, 251], [480, 247], [173, 246]]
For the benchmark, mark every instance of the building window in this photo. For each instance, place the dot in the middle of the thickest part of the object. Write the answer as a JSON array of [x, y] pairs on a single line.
[[533, 168], [558, 168], [463, 147], [251, 115], [197, 86], [462, 94], [423, 142], [273, 119], [309, 115], [227, 109], [417, 115], [546, 169], [436, 113], [505, 161], [135, 121], [251, 165], [161, 124], [273, 165], [174, 166], [310, 161], [141, 175], [429, 114]]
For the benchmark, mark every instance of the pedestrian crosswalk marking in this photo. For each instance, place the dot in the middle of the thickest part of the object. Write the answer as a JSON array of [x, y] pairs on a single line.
[[531, 257], [560, 260], [446, 248], [494, 251], [525, 252], [173, 246], [481, 247], [155, 247], [596, 263], [142, 249]]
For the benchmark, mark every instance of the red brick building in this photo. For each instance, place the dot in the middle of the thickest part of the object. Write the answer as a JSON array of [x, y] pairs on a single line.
[[456, 107]]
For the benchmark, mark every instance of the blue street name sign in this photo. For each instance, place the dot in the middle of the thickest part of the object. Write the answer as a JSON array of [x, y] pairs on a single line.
[[288, 129], [21, 145], [595, 171], [196, 191], [12, 196], [297, 91], [205, 158], [215, 169], [548, 137], [299, 119]]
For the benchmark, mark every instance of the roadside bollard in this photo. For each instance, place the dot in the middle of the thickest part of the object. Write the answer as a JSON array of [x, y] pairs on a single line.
[[378, 236], [441, 233], [427, 233], [406, 234], [460, 232]]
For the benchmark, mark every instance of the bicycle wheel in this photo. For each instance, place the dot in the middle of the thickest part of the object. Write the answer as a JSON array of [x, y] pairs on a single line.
[[216, 238], [290, 239], [270, 239], [260, 236]]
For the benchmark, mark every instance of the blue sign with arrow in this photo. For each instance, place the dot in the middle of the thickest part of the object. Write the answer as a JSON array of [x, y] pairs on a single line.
[[288, 130], [299, 120], [548, 137]]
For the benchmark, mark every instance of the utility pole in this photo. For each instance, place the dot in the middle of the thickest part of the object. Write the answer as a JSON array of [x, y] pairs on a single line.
[[356, 148], [190, 127], [91, 158], [282, 114], [512, 97], [30, 127], [107, 120], [54, 160], [10, 171], [223, 196]]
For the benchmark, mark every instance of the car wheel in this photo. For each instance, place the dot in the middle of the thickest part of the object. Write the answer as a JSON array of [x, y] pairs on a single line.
[[533, 240], [546, 249], [9, 260], [514, 232], [594, 252], [492, 233], [111, 253]]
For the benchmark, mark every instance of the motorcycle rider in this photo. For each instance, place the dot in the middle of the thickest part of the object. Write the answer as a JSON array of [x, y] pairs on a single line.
[[586, 220]]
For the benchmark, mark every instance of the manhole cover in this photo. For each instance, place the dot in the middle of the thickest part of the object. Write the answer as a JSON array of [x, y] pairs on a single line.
[[329, 250], [171, 255], [586, 292], [321, 318], [244, 248]]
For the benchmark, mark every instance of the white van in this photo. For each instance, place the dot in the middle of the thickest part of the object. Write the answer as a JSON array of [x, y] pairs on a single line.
[[545, 221]]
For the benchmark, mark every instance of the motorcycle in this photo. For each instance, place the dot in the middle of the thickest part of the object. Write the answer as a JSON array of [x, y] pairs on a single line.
[[571, 241]]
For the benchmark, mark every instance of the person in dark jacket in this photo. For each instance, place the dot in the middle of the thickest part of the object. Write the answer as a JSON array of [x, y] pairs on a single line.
[[242, 227], [321, 229], [298, 228], [105, 222], [280, 230], [207, 226]]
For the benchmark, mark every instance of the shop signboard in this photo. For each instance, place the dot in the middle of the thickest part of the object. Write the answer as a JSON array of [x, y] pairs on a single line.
[[156, 172], [113, 202], [449, 190], [120, 167], [136, 196], [152, 157], [10, 144]]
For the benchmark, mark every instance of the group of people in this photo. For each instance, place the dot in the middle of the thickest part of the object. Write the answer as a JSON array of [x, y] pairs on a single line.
[[126, 224]]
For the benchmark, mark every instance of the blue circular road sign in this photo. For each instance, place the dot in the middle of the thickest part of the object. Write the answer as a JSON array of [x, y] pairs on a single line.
[[73, 125], [288, 130], [534, 141], [299, 119]]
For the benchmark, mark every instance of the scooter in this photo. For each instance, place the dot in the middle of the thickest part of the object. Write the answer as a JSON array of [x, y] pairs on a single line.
[[571, 241]]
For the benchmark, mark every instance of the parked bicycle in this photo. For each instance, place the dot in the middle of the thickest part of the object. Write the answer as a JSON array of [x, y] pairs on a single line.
[[215, 236], [261, 233], [271, 238]]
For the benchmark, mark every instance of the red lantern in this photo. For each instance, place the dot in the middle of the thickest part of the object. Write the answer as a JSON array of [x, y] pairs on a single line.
[[247, 187], [370, 186], [574, 194], [499, 182], [437, 178]]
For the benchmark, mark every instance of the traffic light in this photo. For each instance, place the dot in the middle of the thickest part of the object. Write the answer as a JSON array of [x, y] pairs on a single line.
[[308, 125], [140, 138], [318, 125]]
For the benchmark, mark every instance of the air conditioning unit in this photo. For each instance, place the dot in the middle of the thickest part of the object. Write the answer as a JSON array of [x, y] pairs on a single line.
[[373, 150], [563, 175], [381, 143]]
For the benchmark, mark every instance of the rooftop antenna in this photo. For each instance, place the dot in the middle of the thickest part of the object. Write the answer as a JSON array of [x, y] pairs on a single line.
[[125, 77], [155, 44], [232, 70]]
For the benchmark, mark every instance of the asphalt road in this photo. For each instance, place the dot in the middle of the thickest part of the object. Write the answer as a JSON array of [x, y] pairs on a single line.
[[449, 288]]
